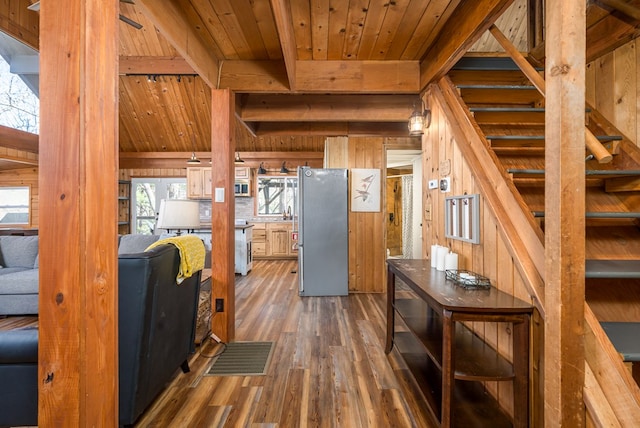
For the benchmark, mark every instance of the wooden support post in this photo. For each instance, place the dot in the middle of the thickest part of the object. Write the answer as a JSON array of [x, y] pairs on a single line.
[[78, 348], [564, 370], [223, 212]]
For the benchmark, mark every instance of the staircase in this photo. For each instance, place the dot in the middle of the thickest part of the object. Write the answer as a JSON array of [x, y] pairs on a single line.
[[509, 110]]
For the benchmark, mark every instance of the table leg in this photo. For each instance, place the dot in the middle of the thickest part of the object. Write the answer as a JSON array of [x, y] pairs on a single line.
[[448, 367], [521, 372], [391, 293]]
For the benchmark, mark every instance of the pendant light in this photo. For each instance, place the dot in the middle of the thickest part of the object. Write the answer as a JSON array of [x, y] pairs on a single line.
[[193, 160]]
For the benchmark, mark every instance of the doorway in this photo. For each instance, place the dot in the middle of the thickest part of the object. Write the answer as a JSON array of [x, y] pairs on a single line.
[[146, 196], [403, 203]]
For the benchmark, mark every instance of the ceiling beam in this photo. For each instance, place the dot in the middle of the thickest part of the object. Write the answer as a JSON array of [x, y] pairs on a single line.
[[17, 139], [172, 160], [333, 129], [172, 23], [390, 77], [284, 24], [358, 76], [154, 65], [326, 108], [467, 24]]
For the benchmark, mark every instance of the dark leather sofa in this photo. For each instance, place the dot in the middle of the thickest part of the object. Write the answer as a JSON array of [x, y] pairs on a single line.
[[156, 322]]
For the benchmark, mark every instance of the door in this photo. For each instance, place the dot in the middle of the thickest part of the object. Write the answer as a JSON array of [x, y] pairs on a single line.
[[145, 198]]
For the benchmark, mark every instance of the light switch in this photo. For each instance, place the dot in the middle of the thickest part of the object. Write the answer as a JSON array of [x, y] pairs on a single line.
[[219, 194], [433, 184]]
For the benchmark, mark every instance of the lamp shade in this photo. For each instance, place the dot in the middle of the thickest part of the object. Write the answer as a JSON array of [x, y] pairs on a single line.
[[178, 214]]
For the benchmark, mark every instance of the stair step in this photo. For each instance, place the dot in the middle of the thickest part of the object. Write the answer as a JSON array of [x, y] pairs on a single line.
[[612, 268], [519, 150], [588, 172], [488, 63], [499, 87], [624, 337], [541, 137], [507, 109], [600, 214], [500, 94]]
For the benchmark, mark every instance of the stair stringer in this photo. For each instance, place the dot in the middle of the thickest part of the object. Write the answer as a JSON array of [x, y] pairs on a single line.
[[523, 237]]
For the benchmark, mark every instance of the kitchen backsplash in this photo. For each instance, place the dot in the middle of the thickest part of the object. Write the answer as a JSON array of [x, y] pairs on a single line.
[[244, 209]]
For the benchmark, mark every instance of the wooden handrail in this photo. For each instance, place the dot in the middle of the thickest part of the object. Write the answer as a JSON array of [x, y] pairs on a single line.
[[521, 233], [519, 59], [628, 9], [592, 143]]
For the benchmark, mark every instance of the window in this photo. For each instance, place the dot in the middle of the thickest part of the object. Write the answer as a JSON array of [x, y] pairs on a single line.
[[146, 196], [277, 195], [14, 205]]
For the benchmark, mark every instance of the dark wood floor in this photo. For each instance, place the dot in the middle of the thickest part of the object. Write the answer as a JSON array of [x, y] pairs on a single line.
[[328, 368]]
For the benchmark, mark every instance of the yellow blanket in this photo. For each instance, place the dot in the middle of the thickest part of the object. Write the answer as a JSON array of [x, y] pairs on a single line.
[[192, 254]]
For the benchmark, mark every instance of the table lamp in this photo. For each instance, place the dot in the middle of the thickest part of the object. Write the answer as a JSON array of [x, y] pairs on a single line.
[[178, 215]]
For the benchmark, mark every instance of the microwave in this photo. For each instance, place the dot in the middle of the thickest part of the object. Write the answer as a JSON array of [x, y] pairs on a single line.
[[241, 188]]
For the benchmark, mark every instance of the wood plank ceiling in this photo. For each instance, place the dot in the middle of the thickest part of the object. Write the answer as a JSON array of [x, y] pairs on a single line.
[[302, 70]]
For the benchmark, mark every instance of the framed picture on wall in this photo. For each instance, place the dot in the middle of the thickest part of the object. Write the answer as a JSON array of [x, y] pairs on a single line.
[[365, 190]]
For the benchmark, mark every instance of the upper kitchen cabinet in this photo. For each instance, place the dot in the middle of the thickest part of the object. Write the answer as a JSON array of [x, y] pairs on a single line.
[[243, 184], [199, 183]]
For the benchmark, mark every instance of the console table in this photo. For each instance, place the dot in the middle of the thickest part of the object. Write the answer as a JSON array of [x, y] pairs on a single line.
[[447, 360]]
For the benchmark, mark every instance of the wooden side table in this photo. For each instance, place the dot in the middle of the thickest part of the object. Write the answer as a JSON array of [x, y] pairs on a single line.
[[447, 360], [203, 322]]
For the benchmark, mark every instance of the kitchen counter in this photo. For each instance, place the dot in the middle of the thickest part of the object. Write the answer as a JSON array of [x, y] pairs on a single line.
[[207, 227], [270, 220]]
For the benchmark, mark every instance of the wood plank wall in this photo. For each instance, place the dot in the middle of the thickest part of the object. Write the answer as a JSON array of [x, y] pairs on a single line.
[[367, 248], [24, 177], [613, 88], [490, 257]]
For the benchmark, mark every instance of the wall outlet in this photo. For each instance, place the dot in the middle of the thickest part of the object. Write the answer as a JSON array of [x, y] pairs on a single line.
[[219, 305], [433, 184], [445, 184]]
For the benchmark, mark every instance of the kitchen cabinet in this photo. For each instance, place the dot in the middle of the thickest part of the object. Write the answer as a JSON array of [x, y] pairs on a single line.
[[279, 239], [243, 182], [199, 183], [272, 240], [259, 240]]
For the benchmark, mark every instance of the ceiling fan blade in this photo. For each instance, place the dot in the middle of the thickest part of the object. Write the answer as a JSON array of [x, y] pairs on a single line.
[[131, 22]]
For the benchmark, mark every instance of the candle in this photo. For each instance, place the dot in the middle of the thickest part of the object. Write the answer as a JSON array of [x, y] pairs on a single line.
[[440, 256], [434, 251], [451, 261]]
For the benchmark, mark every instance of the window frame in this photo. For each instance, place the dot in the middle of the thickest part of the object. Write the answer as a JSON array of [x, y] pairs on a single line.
[[286, 178], [26, 224]]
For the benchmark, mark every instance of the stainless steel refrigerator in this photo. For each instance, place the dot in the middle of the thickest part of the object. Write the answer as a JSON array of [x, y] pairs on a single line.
[[323, 234]]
